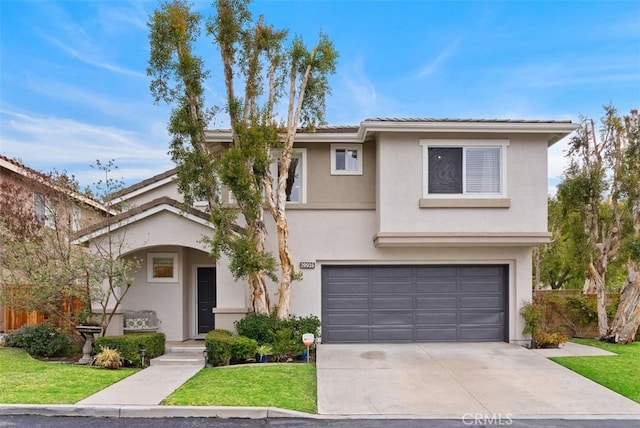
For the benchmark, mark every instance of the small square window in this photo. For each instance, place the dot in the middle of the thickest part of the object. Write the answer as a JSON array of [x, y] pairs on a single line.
[[346, 159], [162, 267]]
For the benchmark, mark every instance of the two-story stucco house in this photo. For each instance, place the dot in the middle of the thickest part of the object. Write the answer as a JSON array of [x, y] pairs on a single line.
[[406, 230]]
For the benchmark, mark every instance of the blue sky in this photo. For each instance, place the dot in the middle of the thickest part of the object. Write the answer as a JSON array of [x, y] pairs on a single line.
[[73, 85]]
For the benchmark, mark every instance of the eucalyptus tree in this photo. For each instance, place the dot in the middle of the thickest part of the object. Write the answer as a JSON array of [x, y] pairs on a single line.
[[600, 192], [261, 68]]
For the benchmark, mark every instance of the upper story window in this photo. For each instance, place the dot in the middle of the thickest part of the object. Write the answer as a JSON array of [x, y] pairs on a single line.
[[346, 159], [43, 210], [464, 168], [297, 177], [76, 218]]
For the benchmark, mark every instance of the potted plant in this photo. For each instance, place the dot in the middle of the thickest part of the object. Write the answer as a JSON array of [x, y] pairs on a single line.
[[264, 351]]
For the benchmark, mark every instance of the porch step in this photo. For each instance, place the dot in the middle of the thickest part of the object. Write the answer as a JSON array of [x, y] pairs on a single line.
[[183, 349], [182, 358]]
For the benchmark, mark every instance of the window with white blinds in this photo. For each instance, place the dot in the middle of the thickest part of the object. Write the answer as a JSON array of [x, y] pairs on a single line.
[[464, 167], [482, 170]]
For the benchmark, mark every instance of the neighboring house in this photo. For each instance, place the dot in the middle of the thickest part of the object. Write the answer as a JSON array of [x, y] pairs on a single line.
[[406, 230], [35, 197]]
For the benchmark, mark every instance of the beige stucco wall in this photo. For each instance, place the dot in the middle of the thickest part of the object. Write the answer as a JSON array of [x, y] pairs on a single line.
[[400, 188], [336, 190]]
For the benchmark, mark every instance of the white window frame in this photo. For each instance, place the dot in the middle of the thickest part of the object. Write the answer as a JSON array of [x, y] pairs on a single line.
[[48, 217], [463, 144], [302, 154], [76, 218], [151, 256], [347, 147]]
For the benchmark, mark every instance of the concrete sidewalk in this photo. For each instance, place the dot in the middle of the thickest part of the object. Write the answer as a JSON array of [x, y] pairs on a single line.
[[147, 387]]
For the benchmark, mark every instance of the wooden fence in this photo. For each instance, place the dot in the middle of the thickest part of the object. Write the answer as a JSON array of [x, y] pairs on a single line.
[[14, 319]]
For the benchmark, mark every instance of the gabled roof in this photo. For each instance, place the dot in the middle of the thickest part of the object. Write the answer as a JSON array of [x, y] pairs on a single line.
[[144, 186], [138, 213], [42, 179]]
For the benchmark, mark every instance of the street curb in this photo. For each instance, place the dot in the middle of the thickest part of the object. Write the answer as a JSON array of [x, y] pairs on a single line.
[[222, 412], [124, 411]]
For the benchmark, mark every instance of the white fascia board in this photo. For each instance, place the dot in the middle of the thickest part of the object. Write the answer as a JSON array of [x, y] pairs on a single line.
[[140, 216], [495, 127], [75, 195], [301, 137], [145, 189]]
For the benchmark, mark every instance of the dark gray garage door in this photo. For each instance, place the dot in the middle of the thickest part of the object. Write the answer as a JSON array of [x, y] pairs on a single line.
[[362, 304]]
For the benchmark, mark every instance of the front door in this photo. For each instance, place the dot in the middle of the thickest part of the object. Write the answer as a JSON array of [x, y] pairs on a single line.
[[206, 299]]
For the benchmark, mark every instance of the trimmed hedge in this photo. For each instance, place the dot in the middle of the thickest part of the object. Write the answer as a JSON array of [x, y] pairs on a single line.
[[129, 346], [223, 347]]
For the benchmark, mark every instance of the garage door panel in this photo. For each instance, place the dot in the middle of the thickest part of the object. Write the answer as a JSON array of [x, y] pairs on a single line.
[[436, 286], [436, 271], [391, 318], [391, 272], [480, 318], [391, 303], [478, 334], [347, 335], [348, 318], [432, 334], [436, 318], [437, 302], [346, 272], [481, 271], [348, 302], [414, 303], [391, 286], [488, 302], [392, 335], [493, 287], [345, 287]]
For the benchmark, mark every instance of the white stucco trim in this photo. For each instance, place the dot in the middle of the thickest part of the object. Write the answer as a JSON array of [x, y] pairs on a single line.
[[140, 216], [145, 189], [439, 239]]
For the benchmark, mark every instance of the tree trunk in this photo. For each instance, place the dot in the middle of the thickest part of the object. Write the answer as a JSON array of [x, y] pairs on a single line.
[[286, 269], [625, 324], [598, 282], [259, 295]]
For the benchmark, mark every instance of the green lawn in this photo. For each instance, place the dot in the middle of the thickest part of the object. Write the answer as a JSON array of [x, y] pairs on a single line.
[[620, 373], [288, 386], [26, 380]]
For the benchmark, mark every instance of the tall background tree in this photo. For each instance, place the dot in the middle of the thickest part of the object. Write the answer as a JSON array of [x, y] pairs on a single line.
[[596, 225], [260, 70]]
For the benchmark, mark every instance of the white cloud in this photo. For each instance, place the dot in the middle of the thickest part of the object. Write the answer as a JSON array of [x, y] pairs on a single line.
[[435, 65], [91, 60], [48, 143]]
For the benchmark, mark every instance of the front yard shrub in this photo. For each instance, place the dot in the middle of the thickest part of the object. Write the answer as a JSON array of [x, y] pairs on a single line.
[[285, 336], [129, 346], [44, 340], [108, 358], [260, 327], [223, 347]]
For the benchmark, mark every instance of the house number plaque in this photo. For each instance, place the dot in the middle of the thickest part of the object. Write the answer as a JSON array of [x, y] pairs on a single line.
[[307, 265]]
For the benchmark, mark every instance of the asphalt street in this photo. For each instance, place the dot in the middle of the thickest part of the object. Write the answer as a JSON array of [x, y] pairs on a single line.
[[84, 422]]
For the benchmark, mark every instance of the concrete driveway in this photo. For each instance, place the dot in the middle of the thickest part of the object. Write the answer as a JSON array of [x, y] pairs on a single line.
[[454, 381]]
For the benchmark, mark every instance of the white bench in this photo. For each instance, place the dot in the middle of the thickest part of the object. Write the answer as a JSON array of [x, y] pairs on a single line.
[[140, 321]]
